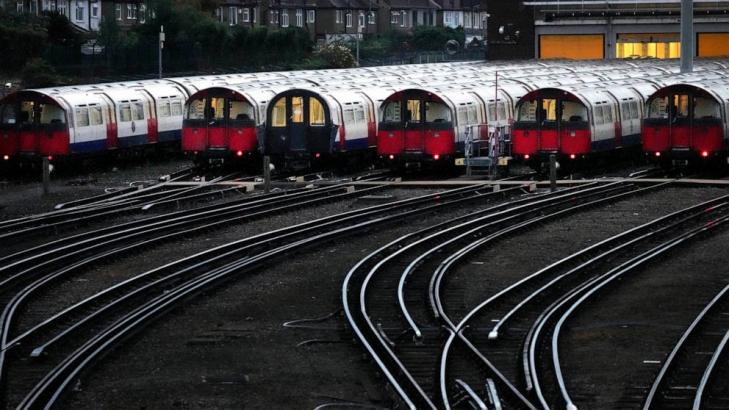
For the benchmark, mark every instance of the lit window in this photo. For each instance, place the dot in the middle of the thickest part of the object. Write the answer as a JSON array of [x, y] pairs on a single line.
[[316, 112]]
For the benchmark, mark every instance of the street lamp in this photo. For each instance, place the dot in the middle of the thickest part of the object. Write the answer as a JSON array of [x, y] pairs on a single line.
[[161, 46]]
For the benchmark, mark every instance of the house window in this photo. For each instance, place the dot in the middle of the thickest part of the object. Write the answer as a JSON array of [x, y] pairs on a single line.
[[246, 15], [299, 18], [274, 16], [394, 17], [45, 6], [467, 20], [255, 13], [371, 17], [310, 16], [142, 13], [19, 7], [95, 11], [52, 6], [349, 19], [361, 19], [232, 15], [117, 11], [131, 11], [79, 12], [404, 16], [339, 16], [284, 18]]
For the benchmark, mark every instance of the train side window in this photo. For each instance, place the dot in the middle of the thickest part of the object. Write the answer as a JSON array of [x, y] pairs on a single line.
[[359, 115], [164, 108], [471, 111], [491, 111], [348, 116], [634, 110], [706, 108], [278, 114], [138, 111], [598, 115], [392, 112], [527, 111], [607, 114], [95, 117], [82, 117], [501, 107], [316, 112], [125, 112], [462, 116], [51, 114], [176, 108], [437, 112], [196, 109], [413, 111]]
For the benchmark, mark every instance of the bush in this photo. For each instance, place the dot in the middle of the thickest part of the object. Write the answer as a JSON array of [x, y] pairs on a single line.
[[337, 55], [38, 73]]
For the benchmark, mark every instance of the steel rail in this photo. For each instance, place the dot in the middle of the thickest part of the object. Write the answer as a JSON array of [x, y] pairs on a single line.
[[58, 379], [608, 278], [708, 372], [436, 279]]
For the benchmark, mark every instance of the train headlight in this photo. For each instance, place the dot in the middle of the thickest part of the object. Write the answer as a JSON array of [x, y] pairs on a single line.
[[6, 157]]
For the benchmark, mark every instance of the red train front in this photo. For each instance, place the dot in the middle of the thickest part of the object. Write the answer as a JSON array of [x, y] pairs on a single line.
[[416, 125], [684, 122], [550, 121], [219, 123]]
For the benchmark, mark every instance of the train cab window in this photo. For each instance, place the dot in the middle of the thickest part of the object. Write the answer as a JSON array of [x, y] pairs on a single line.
[[392, 112], [297, 109], [316, 112], [706, 108], [278, 114], [82, 117], [548, 110], [573, 112], [658, 108], [51, 114], [413, 111], [125, 112], [26, 112], [240, 110], [527, 111], [95, 115], [217, 108], [176, 108], [196, 109], [437, 112], [7, 114]]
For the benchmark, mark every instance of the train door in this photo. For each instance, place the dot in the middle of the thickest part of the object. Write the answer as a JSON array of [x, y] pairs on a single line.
[[27, 141], [216, 123], [132, 127], [297, 108], [413, 113], [680, 121], [8, 131], [110, 119], [548, 132]]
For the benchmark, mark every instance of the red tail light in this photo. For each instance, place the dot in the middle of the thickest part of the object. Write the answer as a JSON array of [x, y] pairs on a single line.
[[527, 156], [436, 157], [6, 157], [239, 153], [317, 155], [50, 158], [572, 156], [392, 156], [658, 154], [704, 154]]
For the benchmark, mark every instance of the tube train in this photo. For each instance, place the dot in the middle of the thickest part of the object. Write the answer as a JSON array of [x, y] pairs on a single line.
[[688, 121], [578, 121], [320, 119]]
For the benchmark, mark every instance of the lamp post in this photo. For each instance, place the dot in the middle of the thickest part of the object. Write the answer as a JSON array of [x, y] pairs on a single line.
[[161, 46]]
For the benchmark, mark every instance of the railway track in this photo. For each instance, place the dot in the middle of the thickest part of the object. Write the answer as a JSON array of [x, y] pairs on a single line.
[[400, 312], [153, 293]]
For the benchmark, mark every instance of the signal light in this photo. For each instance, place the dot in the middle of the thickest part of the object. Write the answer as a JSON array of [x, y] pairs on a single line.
[[317, 155], [704, 154], [527, 156], [6, 157], [436, 157], [392, 156], [658, 154], [572, 156], [50, 158], [239, 153]]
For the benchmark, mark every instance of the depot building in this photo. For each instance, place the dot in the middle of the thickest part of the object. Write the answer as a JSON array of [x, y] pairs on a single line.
[[589, 29]]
